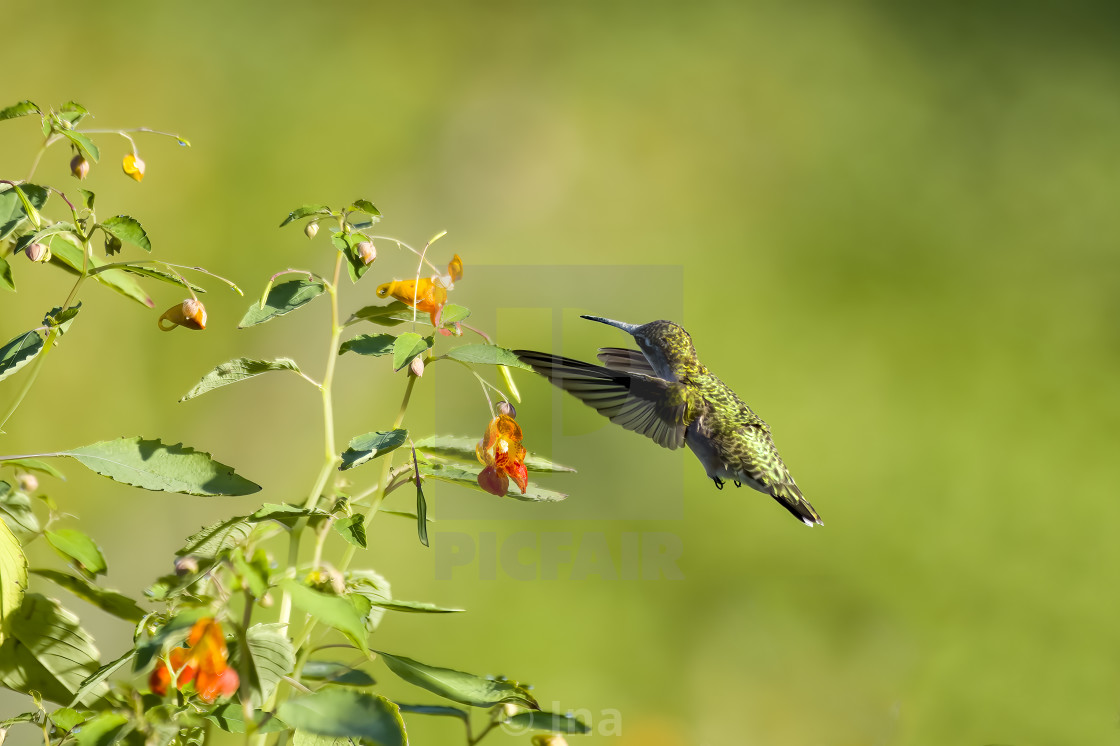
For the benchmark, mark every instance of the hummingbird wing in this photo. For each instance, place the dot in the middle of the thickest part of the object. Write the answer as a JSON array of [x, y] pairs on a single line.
[[641, 403], [627, 361]]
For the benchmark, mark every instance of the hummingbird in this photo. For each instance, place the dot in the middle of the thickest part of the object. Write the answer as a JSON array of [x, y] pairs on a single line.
[[664, 392]]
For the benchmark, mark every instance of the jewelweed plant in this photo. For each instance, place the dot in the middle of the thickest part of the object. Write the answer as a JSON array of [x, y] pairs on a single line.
[[242, 637]]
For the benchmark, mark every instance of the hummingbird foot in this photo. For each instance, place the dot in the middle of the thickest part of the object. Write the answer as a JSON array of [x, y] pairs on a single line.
[[719, 483]]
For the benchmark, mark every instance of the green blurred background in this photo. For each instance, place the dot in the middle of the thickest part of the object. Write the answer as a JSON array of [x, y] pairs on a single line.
[[891, 227]]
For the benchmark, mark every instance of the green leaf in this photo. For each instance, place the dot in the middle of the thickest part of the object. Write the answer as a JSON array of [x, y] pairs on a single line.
[[369, 344], [548, 721], [454, 313], [442, 710], [23, 108], [352, 529], [214, 539], [13, 576], [273, 658], [6, 278], [408, 346], [395, 312], [94, 681], [159, 274], [461, 448], [83, 143], [367, 447], [486, 355], [252, 572], [107, 600], [66, 719], [467, 476], [79, 548], [239, 369], [230, 717], [102, 730], [464, 688], [127, 228], [46, 650], [306, 211], [303, 738], [364, 205], [415, 607], [23, 717], [12, 211], [15, 509], [69, 257], [33, 464], [282, 299], [367, 588], [19, 352], [334, 611], [88, 198], [162, 468], [421, 513], [347, 243], [345, 713], [333, 672]]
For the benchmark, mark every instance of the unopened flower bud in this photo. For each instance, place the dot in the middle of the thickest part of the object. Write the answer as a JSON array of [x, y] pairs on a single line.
[[504, 407], [266, 601], [311, 229], [79, 166], [509, 709], [133, 166], [112, 245], [38, 252], [190, 314], [367, 252], [554, 739], [186, 565], [28, 483], [417, 366]]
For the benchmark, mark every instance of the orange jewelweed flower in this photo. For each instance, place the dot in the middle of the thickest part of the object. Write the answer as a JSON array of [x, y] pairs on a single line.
[[501, 453], [204, 661], [428, 294], [133, 166], [190, 314]]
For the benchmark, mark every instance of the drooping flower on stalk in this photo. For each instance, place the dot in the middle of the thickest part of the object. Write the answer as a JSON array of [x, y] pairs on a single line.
[[428, 294], [190, 314], [502, 456], [133, 166], [204, 662]]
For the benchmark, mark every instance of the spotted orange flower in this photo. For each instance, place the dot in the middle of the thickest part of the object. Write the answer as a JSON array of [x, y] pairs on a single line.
[[204, 662], [501, 453], [428, 294]]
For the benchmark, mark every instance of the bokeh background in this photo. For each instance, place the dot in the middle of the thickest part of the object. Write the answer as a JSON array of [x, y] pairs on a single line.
[[890, 226]]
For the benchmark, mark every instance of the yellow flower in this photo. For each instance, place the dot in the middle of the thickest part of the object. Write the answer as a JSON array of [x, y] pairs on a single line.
[[133, 166], [190, 314]]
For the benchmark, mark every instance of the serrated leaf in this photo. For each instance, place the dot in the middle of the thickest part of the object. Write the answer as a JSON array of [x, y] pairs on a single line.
[[83, 143], [94, 680], [367, 447], [333, 672], [408, 346], [107, 600], [467, 476], [23, 108], [483, 354], [369, 344], [334, 611], [552, 722], [33, 464], [79, 548], [152, 465], [352, 529], [272, 655], [345, 713], [230, 717], [282, 299], [6, 278], [395, 313], [462, 448], [458, 686], [214, 539], [13, 576], [69, 257], [46, 650], [364, 205], [19, 352], [127, 228], [236, 370], [66, 719], [159, 274], [12, 211], [102, 730], [306, 211]]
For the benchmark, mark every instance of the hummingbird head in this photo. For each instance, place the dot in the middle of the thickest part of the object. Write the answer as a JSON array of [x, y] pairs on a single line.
[[667, 346]]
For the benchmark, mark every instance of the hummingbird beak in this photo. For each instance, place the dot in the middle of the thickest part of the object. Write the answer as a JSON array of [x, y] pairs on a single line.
[[628, 328]]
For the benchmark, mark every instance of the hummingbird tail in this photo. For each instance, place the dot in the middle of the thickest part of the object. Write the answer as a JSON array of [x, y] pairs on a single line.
[[790, 498]]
